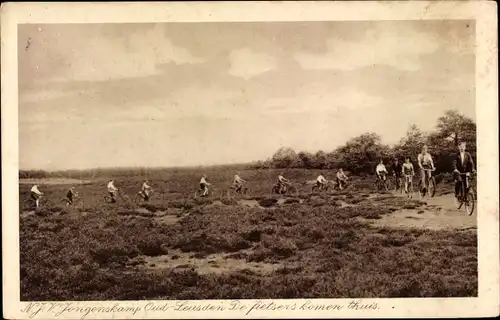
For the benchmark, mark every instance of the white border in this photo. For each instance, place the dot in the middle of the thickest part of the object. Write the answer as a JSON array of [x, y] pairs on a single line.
[[484, 12]]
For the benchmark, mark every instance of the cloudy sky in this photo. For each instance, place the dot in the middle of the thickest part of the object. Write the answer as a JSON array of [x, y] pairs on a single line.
[[176, 94]]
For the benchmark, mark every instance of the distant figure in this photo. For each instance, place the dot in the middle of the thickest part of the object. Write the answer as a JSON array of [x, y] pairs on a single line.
[[112, 190], [238, 182], [321, 181], [381, 171], [146, 190], [282, 181], [204, 185], [70, 194], [463, 163], [341, 178], [36, 195]]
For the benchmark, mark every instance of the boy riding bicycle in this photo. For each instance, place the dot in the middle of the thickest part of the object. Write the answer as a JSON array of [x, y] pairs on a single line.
[[397, 171], [463, 164], [204, 185], [408, 172], [36, 195], [282, 182], [426, 166], [238, 183], [381, 171], [70, 194], [321, 182], [146, 190], [112, 190], [341, 179]]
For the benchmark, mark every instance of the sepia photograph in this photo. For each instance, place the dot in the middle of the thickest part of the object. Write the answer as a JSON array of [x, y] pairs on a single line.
[[234, 160]]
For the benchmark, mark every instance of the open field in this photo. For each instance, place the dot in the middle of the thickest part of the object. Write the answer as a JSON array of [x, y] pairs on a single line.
[[355, 243]]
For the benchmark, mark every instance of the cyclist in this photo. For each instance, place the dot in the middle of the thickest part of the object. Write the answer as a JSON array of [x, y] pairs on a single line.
[[238, 182], [397, 169], [36, 195], [70, 194], [321, 181], [463, 163], [282, 182], [112, 190], [146, 190], [408, 171], [341, 178], [381, 171], [425, 163], [204, 185]]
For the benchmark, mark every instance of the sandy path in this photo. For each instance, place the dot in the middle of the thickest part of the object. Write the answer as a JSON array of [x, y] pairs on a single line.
[[439, 213]]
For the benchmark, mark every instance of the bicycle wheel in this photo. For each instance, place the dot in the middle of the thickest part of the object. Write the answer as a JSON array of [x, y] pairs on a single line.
[[432, 187], [314, 188], [470, 202], [410, 190], [388, 185], [457, 200]]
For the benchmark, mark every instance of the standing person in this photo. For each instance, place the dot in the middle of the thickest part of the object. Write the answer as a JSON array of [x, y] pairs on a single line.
[[425, 164], [408, 172], [321, 181], [36, 195], [463, 163], [146, 190], [112, 190], [204, 185], [341, 178], [238, 182]]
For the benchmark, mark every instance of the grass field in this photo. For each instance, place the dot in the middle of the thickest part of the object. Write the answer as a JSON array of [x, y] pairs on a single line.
[[315, 245]]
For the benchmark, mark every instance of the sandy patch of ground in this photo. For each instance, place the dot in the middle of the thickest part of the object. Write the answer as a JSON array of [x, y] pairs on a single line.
[[439, 213], [214, 263]]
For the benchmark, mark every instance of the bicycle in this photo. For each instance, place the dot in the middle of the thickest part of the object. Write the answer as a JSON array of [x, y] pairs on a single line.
[[30, 203], [431, 185], [210, 192], [382, 184], [233, 191], [67, 202], [140, 196], [336, 185], [285, 188], [409, 183], [466, 196], [398, 183], [321, 187], [120, 194]]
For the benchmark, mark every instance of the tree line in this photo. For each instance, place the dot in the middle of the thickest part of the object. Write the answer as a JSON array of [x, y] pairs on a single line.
[[361, 154]]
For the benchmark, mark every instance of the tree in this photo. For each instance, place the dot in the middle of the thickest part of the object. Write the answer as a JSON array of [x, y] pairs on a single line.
[[306, 159], [411, 144], [285, 158], [361, 153], [451, 128], [320, 160]]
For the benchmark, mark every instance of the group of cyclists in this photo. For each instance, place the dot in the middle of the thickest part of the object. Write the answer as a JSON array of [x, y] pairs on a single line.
[[463, 165]]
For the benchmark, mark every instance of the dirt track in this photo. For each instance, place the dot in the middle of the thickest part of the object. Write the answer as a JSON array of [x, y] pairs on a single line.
[[439, 213]]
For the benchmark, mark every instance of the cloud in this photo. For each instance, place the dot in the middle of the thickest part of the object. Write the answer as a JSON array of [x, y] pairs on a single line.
[[100, 53], [246, 63], [400, 48], [322, 98]]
